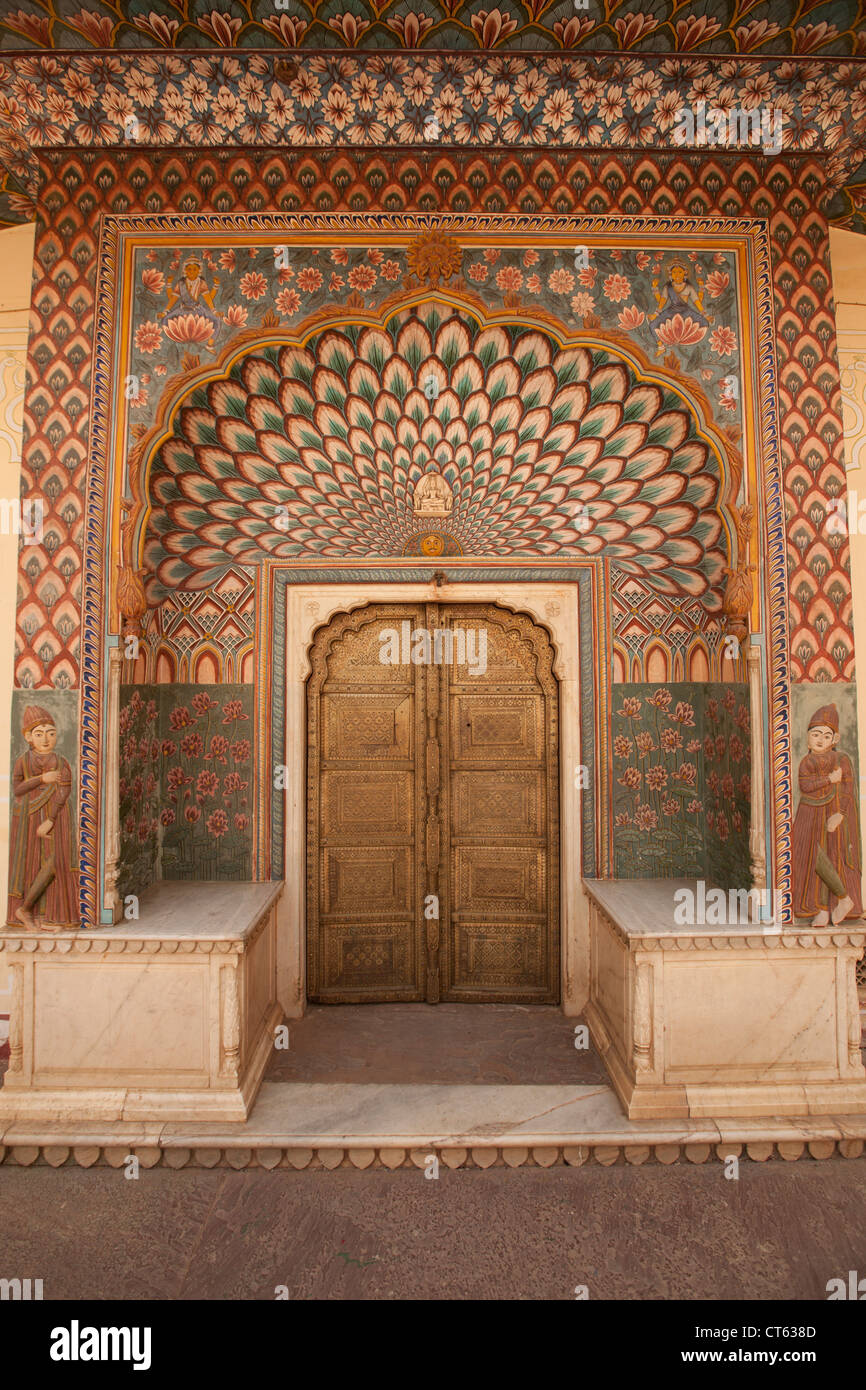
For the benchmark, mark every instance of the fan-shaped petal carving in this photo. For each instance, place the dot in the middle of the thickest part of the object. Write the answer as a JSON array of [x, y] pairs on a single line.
[[547, 451]]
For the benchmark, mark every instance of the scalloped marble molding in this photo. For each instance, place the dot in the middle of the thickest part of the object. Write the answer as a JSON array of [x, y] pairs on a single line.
[[83, 944], [54, 1155]]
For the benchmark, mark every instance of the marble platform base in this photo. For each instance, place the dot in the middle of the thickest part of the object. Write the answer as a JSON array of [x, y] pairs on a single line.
[[166, 1018], [721, 1021], [300, 1125]]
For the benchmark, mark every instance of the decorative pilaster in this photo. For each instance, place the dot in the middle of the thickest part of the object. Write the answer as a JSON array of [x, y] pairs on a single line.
[[854, 1029], [643, 1021], [432, 845], [231, 1023], [131, 599], [111, 899], [16, 1018], [757, 839], [739, 590]]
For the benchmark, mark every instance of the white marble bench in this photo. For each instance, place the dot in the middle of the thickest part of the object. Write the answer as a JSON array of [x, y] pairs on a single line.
[[168, 1017], [700, 1020]]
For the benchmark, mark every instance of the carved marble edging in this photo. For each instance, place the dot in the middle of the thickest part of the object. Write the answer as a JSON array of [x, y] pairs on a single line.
[[755, 940], [84, 943], [704, 938], [450, 1156]]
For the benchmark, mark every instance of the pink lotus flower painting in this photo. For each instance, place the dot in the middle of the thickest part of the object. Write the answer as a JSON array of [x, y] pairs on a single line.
[[187, 798], [676, 816]]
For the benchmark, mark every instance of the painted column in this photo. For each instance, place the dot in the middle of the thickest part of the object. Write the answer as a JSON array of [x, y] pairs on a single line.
[[757, 838], [111, 904]]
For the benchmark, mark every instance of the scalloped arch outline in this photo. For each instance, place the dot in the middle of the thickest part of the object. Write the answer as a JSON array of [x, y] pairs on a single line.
[[728, 459]]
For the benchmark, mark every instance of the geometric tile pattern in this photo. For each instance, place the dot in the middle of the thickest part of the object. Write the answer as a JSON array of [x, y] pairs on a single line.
[[819, 585], [201, 635], [660, 638]]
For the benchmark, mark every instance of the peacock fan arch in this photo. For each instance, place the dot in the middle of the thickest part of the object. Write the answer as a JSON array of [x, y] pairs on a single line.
[[314, 450]]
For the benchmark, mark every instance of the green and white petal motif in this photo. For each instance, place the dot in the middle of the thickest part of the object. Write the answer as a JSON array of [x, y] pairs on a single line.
[[548, 452]]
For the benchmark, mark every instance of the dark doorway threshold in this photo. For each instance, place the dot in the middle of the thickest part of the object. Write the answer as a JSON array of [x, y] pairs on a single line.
[[442, 1044]]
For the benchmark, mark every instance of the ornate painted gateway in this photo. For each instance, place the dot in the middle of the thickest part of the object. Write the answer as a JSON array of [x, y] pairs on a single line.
[[325, 337], [466, 411]]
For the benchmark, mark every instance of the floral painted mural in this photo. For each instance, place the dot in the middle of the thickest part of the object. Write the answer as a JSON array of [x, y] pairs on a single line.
[[140, 789], [727, 764], [681, 308], [207, 782], [185, 783], [681, 782]]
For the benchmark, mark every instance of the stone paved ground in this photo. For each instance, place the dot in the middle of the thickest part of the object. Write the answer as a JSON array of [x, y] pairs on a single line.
[[681, 1232], [444, 1044]]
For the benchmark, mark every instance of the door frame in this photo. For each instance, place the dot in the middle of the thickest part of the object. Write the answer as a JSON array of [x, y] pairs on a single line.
[[555, 607]]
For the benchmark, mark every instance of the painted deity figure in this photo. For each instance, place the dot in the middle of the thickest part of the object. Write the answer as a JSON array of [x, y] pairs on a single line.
[[432, 496], [826, 837], [43, 891], [678, 296], [191, 294]]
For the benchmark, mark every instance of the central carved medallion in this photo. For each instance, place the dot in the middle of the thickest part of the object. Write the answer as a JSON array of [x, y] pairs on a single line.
[[433, 496]]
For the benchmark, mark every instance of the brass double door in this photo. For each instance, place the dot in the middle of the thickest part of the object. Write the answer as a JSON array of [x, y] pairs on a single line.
[[432, 807]]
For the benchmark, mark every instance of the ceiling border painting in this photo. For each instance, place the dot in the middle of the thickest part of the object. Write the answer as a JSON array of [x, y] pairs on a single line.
[[789, 27], [117, 505], [429, 101]]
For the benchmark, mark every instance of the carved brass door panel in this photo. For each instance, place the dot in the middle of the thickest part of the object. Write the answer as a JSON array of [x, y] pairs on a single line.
[[433, 814], [502, 941], [366, 811]]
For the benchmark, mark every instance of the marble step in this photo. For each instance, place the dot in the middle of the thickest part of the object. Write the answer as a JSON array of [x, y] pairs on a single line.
[[297, 1124]]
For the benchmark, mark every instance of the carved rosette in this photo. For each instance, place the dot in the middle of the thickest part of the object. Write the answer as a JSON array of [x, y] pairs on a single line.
[[434, 257]]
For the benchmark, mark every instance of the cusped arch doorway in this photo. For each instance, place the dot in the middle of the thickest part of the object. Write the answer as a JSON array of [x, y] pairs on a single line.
[[432, 807]]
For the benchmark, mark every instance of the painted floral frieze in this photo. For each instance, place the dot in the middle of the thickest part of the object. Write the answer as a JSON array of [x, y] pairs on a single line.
[[678, 307], [428, 100]]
